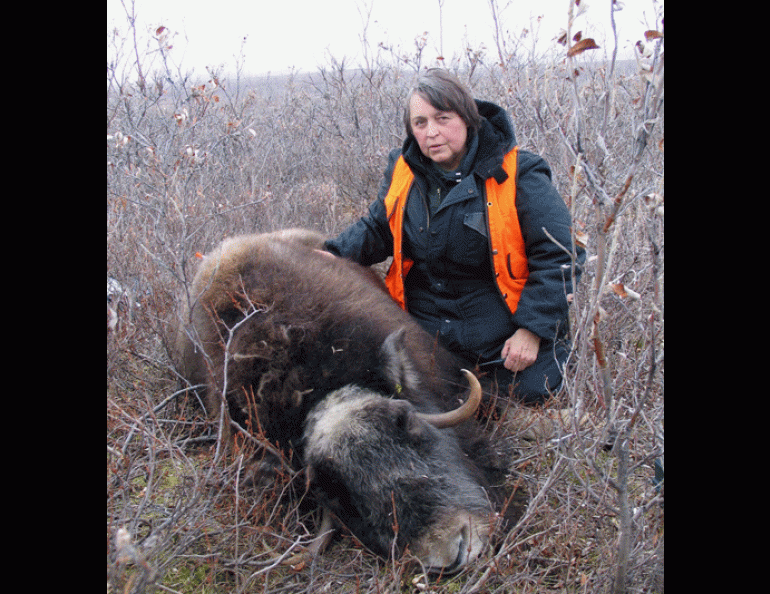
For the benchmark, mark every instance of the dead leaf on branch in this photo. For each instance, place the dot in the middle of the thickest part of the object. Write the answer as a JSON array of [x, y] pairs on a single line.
[[581, 239], [619, 289], [652, 34], [583, 45], [624, 292]]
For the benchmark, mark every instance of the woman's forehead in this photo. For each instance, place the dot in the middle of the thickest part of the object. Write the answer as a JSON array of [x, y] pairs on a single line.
[[419, 105]]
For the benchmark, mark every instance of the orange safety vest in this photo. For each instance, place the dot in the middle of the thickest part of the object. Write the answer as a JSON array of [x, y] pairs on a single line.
[[509, 258]]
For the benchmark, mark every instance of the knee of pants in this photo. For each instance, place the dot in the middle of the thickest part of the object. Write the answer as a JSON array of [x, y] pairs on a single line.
[[528, 390], [536, 383]]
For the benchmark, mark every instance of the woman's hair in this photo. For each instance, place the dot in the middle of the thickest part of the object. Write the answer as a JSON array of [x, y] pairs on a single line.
[[445, 92]]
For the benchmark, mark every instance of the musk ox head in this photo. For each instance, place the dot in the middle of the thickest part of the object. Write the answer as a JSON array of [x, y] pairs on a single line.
[[399, 478]]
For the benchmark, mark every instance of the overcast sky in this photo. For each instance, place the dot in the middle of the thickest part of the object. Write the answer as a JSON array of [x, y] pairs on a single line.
[[300, 34]]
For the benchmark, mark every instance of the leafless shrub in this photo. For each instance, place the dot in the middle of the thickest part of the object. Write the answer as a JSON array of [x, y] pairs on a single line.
[[191, 161]]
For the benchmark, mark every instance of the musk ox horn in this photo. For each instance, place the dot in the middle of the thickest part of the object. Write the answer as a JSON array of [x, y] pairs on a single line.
[[458, 415]]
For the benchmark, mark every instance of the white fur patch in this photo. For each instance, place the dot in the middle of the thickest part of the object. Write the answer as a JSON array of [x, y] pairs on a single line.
[[335, 417]]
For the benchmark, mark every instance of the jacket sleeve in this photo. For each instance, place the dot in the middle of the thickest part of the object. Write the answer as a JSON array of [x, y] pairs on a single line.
[[368, 240], [543, 306]]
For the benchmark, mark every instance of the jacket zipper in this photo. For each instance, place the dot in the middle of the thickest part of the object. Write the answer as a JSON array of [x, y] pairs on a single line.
[[424, 198]]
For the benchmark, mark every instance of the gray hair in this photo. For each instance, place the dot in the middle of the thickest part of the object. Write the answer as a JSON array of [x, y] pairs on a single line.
[[444, 91]]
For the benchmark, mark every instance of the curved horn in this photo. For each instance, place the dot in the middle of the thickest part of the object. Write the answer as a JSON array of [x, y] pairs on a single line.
[[463, 413]]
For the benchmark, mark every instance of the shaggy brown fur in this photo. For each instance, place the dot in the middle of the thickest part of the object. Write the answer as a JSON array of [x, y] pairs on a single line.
[[300, 324]]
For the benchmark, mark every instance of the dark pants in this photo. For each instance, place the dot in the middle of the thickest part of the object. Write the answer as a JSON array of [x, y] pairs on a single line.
[[532, 385]]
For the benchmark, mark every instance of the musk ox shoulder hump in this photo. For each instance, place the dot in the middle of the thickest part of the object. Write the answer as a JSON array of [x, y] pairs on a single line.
[[218, 275]]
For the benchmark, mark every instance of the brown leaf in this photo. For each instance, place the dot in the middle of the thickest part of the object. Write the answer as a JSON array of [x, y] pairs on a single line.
[[577, 36], [585, 44], [580, 173], [581, 239], [654, 199], [652, 34], [619, 289], [159, 30], [624, 292]]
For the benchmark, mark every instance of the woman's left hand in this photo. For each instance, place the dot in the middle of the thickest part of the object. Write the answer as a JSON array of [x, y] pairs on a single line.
[[520, 350]]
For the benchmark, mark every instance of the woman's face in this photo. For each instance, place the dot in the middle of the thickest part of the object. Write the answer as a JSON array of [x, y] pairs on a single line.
[[441, 135]]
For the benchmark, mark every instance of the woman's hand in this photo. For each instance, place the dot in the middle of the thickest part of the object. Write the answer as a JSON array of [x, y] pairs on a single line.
[[520, 350], [327, 255]]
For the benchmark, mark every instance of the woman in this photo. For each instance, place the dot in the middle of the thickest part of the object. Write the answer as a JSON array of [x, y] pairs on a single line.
[[464, 214]]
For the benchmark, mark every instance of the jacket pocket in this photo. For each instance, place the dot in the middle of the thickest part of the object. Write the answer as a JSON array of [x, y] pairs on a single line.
[[469, 245], [476, 221]]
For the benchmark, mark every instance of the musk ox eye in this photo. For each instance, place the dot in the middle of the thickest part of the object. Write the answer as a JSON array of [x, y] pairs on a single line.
[[407, 422]]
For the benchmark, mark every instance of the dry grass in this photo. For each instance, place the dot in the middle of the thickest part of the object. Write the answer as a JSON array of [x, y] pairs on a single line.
[[192, 162]]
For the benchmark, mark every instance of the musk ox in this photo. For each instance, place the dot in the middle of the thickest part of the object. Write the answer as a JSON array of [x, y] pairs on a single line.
[[308, 349]]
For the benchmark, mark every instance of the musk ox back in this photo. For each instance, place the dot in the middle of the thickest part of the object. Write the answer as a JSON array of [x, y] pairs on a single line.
[[308, 349]]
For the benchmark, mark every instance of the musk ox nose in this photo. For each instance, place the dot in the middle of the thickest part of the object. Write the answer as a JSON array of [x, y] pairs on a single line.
[[452, 544]]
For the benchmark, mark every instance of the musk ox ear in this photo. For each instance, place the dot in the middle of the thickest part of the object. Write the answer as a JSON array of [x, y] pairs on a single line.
[[397, 366]]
